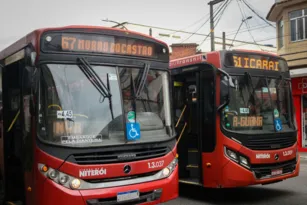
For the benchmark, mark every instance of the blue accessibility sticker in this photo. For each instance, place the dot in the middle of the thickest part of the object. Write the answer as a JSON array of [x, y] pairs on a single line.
[[278, 124], [133, 131]]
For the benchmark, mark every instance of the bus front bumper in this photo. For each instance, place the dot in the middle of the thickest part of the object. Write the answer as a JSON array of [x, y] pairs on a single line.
[[152, 192], [235, 175]]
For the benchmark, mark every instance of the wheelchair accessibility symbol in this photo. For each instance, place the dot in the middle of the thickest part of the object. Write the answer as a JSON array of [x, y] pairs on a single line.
[[278, 124], [133, 131]]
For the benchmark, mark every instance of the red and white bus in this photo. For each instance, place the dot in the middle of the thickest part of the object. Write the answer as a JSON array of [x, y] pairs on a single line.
[[87, 119], [235, 119]]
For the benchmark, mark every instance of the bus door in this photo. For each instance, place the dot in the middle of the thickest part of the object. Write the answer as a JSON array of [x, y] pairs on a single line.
[[1, 142], [17, 139], [194, 113]]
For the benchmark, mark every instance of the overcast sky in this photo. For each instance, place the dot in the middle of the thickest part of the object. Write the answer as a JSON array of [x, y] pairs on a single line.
[[20, 17]]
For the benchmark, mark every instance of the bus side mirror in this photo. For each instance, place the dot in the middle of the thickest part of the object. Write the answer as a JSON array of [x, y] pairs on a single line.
[[30, 69], [30, 56], [225, 85], [27, 78], [224, 89], [30, 85]]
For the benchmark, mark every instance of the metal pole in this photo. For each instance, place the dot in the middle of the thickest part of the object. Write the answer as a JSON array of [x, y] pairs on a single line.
[[243, 20], [236, 34], [212, 27], [211, 3], [224, 41], [150, 32]]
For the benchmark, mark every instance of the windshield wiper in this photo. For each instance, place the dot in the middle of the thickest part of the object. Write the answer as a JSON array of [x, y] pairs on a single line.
[[250, 83], [250, 80], [94, 78], [132, 90], [278, 89], [271, 101], [140, 84], [110, 98]]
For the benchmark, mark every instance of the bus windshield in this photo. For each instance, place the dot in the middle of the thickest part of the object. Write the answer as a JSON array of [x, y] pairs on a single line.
[[74, 112], [256, 103]]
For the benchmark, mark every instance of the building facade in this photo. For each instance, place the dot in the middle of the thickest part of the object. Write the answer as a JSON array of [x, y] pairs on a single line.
[[182, 50], [291, 31]]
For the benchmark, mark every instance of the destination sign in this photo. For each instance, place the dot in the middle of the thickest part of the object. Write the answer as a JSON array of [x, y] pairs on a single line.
[[252, 61], [244, 121], [101, 44]]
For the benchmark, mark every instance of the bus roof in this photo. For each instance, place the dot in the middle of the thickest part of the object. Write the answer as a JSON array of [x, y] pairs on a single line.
[[201, 58], [190, 60], [256, 51], [34, 36]]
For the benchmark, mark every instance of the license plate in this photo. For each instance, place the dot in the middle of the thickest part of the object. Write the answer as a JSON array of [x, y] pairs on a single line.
[[276, 172], [127, 196]]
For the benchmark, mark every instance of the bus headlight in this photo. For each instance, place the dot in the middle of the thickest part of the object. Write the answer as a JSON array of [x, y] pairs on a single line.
[[167, 171], [231, 154], [237, 157], [53, 174], [64, 179], [244, 162], [59, 177], [75, 184]]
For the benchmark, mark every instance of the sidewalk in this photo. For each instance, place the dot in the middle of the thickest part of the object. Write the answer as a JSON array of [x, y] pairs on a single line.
[[303, 155]]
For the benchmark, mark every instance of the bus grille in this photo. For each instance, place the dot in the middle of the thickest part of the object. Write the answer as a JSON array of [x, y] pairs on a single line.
[[109, 157], [95, 181], [270, 143], [265, 170]]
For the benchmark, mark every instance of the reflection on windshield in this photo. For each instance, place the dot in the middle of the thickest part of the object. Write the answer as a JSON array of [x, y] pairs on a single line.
[[72, 112], [255, 102]]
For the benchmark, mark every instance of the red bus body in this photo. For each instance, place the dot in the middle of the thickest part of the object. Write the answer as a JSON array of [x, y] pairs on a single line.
[[39, 189], [217, 169]]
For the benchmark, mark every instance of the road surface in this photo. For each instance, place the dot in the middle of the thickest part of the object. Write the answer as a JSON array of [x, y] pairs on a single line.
[[289, 192]]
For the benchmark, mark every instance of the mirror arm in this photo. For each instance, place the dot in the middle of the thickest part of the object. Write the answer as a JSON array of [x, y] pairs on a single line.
[[224, 72], [223, 105], [228, 76]]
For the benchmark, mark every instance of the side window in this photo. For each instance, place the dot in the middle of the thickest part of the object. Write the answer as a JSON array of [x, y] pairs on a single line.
[[298, 24], [208, 140]]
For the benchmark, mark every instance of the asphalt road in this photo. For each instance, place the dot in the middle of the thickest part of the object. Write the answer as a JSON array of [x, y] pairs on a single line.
[[289, 192]]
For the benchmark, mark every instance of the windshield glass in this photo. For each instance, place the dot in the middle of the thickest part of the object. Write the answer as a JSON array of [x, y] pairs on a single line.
[[72, 111], [255, 102]]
